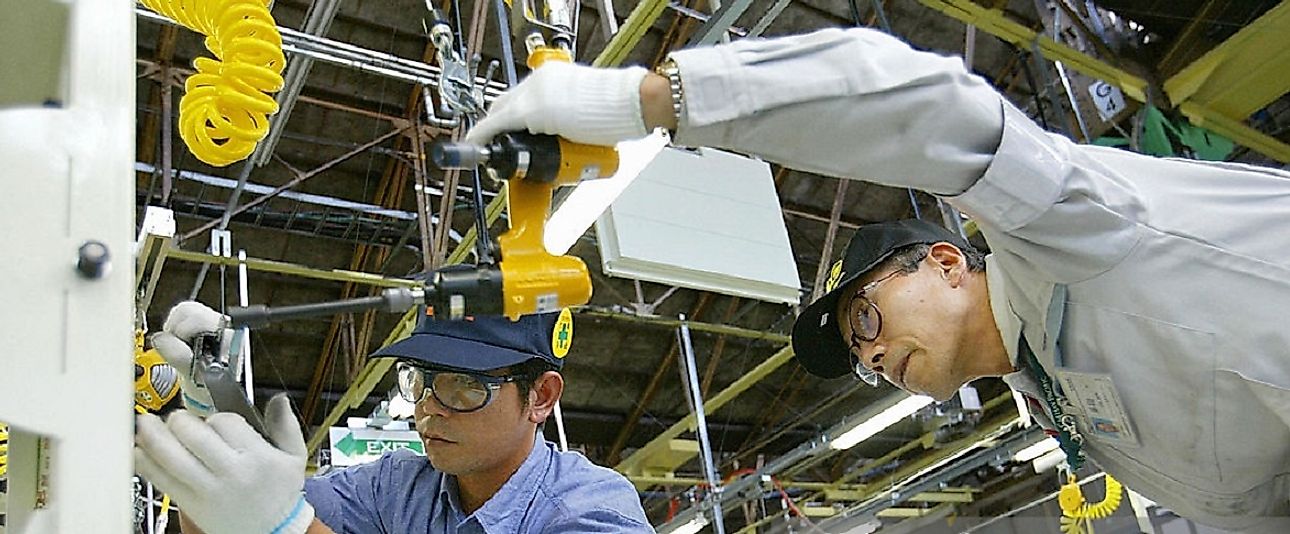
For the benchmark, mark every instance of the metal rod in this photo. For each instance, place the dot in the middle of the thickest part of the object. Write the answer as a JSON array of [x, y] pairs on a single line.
[[504, 30], [424, 217], [243, 299], [1064, 79], [822, 271], [559, 427], [222, 224], [705, 446], [882, 16], [769, 17], [167, 119], [259, 315]]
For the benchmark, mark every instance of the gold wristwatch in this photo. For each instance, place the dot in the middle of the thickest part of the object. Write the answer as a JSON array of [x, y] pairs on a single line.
[[669, 70]]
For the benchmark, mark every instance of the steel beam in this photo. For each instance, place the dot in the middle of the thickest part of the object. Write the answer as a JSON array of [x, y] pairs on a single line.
[[998, 24], [719, 23], [767, 18], [1243, 74], [228, 215], [663, 322], [1191, 36], [317, 20], [766, 367], [648, 393]]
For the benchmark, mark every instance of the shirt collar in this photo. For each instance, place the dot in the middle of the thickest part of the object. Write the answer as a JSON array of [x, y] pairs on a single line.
[[504, 511], [1008, 323]]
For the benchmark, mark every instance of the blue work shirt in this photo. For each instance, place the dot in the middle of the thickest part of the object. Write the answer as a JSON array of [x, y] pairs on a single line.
[[551, 492]]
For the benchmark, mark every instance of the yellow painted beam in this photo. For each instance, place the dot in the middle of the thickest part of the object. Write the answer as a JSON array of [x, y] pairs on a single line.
[[633, 464], [1237, 131], [904, 512], [630, 33], [1240, 76], [995, 22], [673, 455], [942, 496], [1243, 74], [811, 510], [281, 267]]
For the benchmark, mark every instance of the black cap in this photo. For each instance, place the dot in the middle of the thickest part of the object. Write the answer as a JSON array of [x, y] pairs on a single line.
[[486, 343], [817, 342]]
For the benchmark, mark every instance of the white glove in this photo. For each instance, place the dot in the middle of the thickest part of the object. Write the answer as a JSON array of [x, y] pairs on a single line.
[[224, 475], [582, 104], [185, 321]]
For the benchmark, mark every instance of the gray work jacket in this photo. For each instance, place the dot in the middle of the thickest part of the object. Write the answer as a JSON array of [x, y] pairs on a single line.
[[1168, 277]]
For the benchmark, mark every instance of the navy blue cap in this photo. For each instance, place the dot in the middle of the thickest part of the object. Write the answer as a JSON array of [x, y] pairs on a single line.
[[817, 342], [486, 343]]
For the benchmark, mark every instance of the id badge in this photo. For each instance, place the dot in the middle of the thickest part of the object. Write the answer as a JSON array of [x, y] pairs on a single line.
[[1103, 412]]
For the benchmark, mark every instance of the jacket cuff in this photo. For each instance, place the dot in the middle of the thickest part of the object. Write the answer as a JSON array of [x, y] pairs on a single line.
[[1024, 178]]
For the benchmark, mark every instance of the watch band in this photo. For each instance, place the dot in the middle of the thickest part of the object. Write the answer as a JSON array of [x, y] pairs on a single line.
[[669, 70]]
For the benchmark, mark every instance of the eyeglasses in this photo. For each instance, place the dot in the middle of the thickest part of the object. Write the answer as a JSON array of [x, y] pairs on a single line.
[[865, 320], [456, 391]]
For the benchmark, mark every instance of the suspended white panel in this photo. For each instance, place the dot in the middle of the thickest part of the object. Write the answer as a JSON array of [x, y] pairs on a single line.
[[702, 219]]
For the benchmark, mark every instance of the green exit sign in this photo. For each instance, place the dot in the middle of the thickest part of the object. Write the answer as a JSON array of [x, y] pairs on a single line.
[[350, 446]]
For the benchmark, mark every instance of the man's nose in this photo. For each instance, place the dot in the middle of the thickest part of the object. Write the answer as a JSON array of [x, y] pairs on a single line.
[[429, 405], [872, 354]]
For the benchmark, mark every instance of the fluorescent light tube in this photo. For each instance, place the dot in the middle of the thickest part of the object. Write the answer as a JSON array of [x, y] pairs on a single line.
[[691, 527], [873, 425], [1034, 451]]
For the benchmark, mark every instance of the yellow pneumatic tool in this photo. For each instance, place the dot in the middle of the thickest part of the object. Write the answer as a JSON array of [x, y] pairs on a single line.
[[527, 279], [533, 166]]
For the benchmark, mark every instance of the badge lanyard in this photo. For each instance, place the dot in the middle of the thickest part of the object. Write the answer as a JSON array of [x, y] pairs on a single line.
[[1068, 435]]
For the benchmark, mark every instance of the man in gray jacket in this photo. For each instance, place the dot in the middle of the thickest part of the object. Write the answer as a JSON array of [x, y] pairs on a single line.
[[1136, 301]]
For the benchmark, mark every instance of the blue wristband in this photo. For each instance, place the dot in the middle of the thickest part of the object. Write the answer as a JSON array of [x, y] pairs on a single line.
[[300, 505], [196, 403]]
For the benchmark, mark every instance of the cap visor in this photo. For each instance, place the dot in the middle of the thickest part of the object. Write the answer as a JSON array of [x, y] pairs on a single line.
[[817, 342], [446, 351]]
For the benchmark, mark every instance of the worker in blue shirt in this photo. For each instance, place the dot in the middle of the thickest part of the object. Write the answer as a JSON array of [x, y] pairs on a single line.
[[482, 389]]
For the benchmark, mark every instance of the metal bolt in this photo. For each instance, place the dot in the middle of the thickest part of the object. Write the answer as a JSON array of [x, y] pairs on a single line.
[[94, 261]]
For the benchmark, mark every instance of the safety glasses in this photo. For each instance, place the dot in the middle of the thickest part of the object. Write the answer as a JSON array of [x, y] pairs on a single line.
[[455, 390], [866, 323]]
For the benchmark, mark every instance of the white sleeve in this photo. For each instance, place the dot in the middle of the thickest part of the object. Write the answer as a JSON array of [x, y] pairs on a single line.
[[853, 103]]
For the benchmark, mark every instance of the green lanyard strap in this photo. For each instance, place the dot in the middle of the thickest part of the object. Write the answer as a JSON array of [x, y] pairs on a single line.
[[1068, 436]]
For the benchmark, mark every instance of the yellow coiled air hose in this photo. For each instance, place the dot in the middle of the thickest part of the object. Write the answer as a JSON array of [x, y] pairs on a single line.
[[226, 106], [1077, 514]]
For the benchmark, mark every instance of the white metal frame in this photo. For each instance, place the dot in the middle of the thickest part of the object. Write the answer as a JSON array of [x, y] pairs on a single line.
[[65, 370]]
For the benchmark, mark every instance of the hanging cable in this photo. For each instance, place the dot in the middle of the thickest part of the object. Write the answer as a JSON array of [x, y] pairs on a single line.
[[225, 108]]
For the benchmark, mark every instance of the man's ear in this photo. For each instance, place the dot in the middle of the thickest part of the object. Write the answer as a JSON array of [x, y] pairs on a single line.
[[949, 262], [544, 394]]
